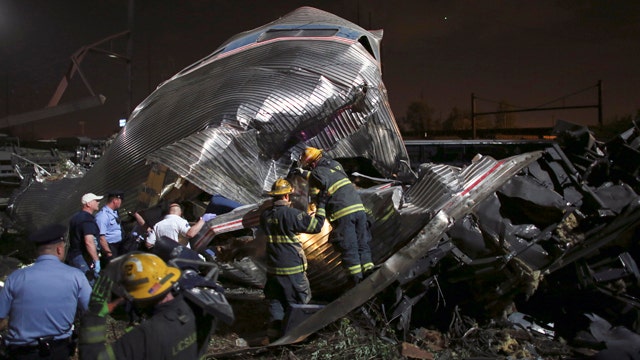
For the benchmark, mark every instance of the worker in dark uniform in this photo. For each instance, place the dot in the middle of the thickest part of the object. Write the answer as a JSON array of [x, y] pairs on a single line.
[[345, 210], [287, 281], [39, 303], [174, 331]]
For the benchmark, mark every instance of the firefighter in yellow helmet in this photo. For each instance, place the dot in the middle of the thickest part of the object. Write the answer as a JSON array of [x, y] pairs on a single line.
[[173, 331], [345, 210], [287, 281]]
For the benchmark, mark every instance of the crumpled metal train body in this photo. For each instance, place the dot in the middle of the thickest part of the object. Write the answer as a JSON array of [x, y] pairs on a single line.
[[235, 121]]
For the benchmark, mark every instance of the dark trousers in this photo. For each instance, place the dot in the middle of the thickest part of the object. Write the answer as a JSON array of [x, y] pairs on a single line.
[[283, 290], [351, 236], [115, 252]]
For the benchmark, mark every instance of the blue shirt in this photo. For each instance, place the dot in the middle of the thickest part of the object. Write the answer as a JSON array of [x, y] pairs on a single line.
[[42, 300], [109, 224]]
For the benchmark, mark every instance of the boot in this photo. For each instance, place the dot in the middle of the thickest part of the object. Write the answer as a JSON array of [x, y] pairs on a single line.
[[274, 330], [355, 280]]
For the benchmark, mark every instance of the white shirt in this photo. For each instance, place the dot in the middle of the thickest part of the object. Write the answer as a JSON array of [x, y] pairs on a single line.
[[172, 226]]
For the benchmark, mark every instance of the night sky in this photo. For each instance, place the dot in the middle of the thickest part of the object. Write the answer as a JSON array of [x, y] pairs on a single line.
[[528, 53]]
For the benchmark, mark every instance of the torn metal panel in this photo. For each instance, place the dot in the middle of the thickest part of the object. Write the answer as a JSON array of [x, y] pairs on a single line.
[[526, 241], [234, 121], [395, 215], [481, 179]]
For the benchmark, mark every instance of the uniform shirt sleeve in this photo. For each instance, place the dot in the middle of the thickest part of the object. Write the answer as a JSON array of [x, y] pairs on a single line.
[[305, 223], [103, 222], [184, 228], [131, 345], [6, 298], [84, 293], [151, 237]]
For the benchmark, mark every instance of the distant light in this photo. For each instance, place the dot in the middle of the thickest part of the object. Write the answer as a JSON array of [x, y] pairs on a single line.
[[122, 122], [445, 18]]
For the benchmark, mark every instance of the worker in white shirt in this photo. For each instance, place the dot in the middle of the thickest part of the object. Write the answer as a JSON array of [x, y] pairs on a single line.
[[175, 227]]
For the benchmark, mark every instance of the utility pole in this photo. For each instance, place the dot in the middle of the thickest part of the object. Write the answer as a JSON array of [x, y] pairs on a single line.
[[473, 116], [600, 122]]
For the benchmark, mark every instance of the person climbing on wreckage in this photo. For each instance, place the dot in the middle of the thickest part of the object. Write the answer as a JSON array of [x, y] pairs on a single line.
[[287, 281], [344, 208], [178, 326]]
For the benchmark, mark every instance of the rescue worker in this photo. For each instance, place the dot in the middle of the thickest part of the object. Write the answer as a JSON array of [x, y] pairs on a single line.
[[176, 228], [83, 238], [176, 330], [345, 210], [39, 303], [287, 281]]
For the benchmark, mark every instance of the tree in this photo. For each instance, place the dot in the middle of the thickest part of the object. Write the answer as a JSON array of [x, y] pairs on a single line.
[[457, 120], [419, 117]]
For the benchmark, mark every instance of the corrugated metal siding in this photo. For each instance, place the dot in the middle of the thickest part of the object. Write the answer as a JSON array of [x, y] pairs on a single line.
[[271, 97]]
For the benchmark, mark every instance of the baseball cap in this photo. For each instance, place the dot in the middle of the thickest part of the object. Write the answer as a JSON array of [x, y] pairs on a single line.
[[86, 198]]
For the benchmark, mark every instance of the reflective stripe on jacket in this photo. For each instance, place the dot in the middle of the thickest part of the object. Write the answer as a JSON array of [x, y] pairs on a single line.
[[281, 224], [343, 199]]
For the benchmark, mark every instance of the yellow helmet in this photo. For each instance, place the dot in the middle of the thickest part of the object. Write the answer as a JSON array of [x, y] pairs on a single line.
[[309, 155], [146, 276], [281, 187]]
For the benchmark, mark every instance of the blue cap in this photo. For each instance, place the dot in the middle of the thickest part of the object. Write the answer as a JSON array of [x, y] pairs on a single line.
[[116, 194], [49, 234]]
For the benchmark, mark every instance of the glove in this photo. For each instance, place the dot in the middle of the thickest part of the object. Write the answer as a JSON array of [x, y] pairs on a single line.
[[298, 171], [208, 216], [311, 208], [322, 198], [96, 268], [100, 295]]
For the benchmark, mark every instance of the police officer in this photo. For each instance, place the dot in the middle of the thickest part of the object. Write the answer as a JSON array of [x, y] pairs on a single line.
[[345, 210], [287, 281], [174, 331], [108, 222], [40, 301]]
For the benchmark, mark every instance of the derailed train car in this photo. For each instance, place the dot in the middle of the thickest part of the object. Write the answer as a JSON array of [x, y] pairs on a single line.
[[495, 230], [233, 122], [532, 230]]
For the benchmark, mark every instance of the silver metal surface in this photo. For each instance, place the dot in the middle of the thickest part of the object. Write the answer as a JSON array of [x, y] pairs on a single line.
[[232, 122]]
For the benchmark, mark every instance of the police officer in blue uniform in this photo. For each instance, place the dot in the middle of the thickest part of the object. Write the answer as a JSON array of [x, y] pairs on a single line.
[[108, 222], [287, 281], [41, 301]]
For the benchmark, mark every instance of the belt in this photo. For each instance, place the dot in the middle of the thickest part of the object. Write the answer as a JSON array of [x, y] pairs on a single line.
[[25, 349]]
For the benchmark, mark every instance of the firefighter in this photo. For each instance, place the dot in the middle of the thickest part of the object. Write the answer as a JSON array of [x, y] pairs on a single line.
[[287, 281], [176, 330], [345, 210]]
